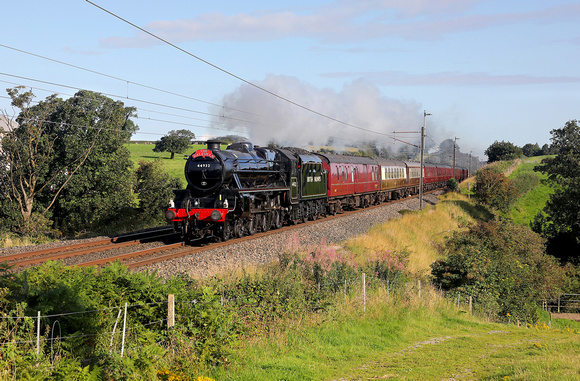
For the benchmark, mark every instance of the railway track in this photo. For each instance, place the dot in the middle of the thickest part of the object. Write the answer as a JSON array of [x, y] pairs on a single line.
[[140, 257], [76, 250]]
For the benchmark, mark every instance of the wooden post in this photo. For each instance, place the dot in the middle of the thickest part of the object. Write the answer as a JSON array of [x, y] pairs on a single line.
[[558, 303], [38, 335], [114, 329], [170, 311], [419, 287], [364, 283], [124, 330]]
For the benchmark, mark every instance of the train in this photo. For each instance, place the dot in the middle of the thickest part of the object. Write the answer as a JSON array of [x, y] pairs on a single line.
[[246, 188]]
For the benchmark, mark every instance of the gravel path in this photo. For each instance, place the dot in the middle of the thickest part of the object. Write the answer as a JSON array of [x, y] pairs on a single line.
[[264, 250]]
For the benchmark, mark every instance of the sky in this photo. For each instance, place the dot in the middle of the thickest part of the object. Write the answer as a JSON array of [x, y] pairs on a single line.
[[309, 72]]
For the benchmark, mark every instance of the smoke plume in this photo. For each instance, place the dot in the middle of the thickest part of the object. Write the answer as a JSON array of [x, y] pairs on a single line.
[[265, 118]]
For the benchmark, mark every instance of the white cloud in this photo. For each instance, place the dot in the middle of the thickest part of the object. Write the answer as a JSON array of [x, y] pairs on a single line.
[[396, 78], [341, 21]]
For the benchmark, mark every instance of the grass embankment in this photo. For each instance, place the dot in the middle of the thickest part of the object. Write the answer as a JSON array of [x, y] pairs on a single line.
[[407, 335], [406, 338], [533, 198]]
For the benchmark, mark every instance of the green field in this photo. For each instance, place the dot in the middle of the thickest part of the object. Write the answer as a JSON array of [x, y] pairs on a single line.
[[175, 167]]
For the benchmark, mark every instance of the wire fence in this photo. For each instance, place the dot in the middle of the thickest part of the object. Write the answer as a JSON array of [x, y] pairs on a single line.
[[44, 332], [564, 303]]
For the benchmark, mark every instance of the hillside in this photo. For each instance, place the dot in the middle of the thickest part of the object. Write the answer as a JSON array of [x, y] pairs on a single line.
[[533, 192]]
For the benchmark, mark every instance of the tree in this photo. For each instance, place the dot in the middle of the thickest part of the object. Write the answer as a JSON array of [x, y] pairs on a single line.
[[101, 190], [64, 153], [561, 215], [503, 151], [174, 142], [530, 150], [494, 189], [548, 150], [154, 187]]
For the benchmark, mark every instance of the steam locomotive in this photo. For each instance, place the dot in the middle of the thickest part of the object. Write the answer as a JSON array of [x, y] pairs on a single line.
[[245, 188]]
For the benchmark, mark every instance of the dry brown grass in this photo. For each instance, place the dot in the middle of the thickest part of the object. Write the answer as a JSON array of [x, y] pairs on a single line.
[[418, 234]]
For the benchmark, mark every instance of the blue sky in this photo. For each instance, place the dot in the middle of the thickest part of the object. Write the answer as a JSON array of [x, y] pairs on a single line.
[[485, 70]]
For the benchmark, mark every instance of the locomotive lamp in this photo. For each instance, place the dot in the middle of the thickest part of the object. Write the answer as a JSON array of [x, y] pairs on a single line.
[[216, 215]]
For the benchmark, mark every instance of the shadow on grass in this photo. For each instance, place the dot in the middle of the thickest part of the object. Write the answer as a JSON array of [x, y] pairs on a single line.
[[177, 157], [478, 212]]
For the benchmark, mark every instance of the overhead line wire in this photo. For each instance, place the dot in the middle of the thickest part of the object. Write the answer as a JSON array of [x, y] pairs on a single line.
[[123, 80], [232, 74], [129, 98]]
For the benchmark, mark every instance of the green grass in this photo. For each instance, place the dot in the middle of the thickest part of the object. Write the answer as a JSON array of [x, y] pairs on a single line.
[[528, 205], [407, 338], [174, 167]]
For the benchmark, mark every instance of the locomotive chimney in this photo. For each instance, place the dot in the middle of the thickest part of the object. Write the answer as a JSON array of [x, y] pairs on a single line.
[[213, 145]]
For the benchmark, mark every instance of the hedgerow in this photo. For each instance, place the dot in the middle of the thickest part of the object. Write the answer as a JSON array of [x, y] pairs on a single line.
[[84, 309]]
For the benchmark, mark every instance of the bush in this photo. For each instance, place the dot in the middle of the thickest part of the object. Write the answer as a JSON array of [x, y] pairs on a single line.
[[154, 187], [453, 185], [503, 266], [494, 189]]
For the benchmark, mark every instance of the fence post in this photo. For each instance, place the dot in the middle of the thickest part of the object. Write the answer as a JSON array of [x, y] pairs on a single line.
[[114, 329], [364, 280], [124, 330], [558, 303], [38, 335], [170, 311], [419, 287]]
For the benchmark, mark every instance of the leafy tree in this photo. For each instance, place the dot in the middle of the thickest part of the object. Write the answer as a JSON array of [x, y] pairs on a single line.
[[66, 159], [174, 142], [531, 150], [548, 150], [502, 151], [154, 187], [502, 265], [561, 215], [494, 189], [100, 191]]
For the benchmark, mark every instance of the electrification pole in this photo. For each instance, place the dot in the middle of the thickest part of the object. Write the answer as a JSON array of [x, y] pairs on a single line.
[[454, 144], [422, 162]]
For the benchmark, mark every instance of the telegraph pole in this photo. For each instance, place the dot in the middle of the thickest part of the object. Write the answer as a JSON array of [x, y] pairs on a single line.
[[454, 144], [422, 162]]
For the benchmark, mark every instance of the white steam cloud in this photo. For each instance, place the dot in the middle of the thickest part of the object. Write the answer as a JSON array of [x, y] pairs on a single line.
[[266, 118]]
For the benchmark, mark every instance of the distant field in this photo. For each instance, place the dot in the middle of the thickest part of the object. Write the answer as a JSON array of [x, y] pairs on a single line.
[[174, 167]]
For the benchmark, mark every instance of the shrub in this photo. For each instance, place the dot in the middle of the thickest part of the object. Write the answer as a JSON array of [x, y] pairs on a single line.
[[494, 189], [453, 185], [503, 266]]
